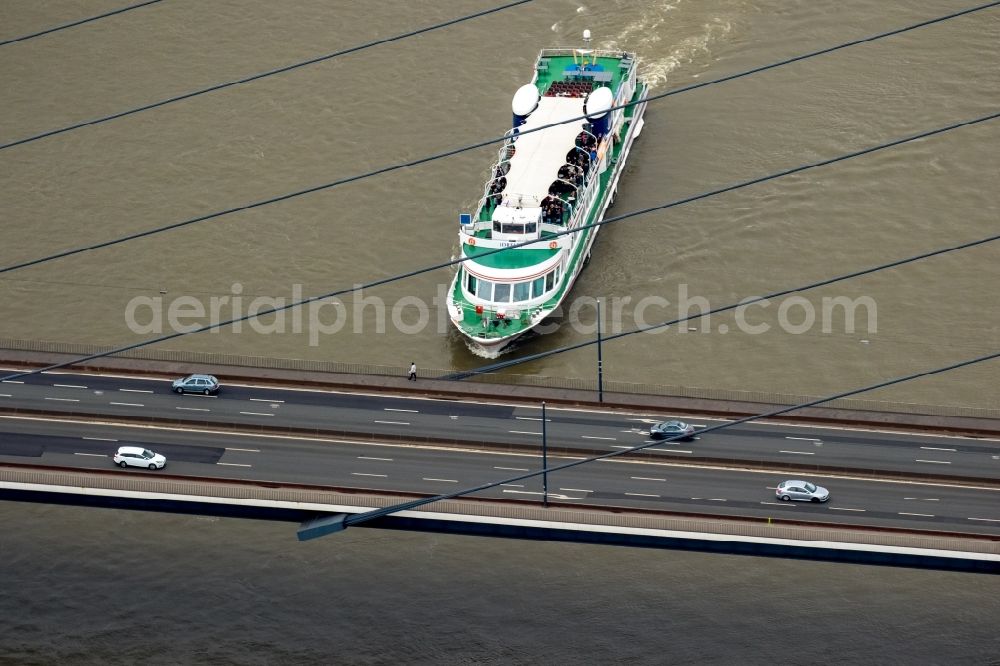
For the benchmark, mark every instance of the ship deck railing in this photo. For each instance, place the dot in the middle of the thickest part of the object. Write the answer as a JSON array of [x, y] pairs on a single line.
[[600, 53]]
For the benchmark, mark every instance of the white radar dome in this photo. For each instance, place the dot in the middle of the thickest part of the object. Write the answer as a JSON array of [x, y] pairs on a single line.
[[525, 100], [598, 102]]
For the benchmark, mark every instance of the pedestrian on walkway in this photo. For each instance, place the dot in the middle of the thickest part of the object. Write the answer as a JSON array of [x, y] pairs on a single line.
[[413, 372]]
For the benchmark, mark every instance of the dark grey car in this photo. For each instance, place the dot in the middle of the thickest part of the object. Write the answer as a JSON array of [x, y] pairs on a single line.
[[672, 429]]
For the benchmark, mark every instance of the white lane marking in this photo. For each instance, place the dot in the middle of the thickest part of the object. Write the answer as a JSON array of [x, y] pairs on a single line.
[[669, 450], [194, 409], [715, 499], [613, 439], [101, 439], [936, 448], [532, 418], [552, 495], [233, 464], [621, 446], [988, 520], [96, 455], [6, 395], [844, 508], [513, 469], [392, 422], [12, 381], [924, 515], [513, 485], [392, 409], [936, 462], [877, 431], [579, 490], [232, 448], [442, 480], [774, 503], [926, 499], [257, 413], [374, 458], [641, 495], [135, 390], [805, 439], [266, 400], [66, 400], [647, 478], [69, 386], [364, 474], [127, 404], [801, 453], [524, 432]]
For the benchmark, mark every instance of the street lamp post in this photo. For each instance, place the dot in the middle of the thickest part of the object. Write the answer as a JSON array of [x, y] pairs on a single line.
[[600, 358], [545, 462]]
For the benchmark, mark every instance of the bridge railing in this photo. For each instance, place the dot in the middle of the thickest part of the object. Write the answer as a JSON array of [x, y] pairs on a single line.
[[505, 378]]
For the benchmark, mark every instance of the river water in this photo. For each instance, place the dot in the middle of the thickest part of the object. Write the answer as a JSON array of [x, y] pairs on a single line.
[[452, 87], [115, 587], [101, 586]]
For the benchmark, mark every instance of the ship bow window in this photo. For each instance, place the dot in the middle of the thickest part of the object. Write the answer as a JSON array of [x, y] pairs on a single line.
[[522, 291], [538, 287], [501, 292]]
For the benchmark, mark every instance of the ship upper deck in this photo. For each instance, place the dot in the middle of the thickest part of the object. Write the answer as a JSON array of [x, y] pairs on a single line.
[[538, 155], [559, 65]]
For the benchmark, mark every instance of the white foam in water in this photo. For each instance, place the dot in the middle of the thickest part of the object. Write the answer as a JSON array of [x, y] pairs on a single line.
[[649, 29], [480, 352]]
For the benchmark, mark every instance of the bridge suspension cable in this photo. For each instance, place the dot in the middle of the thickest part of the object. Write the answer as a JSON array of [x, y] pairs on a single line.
[[120, 10], [261, 75], [456, 151], [611, 220]]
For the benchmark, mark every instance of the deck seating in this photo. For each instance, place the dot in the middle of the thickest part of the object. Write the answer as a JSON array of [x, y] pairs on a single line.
[[569, 88]]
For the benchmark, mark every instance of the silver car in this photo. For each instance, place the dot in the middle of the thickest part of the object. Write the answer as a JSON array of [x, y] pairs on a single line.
[[802, 491], [204, 384], [672, 429]]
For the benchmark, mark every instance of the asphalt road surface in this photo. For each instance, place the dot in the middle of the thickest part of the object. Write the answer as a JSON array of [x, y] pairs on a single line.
[[403, 467]]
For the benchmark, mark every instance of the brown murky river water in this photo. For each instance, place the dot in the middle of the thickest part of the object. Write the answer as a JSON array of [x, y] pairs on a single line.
[[77, 583], [452, 87]]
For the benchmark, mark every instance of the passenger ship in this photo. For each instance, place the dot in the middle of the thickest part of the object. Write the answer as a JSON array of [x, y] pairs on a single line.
[[545, 182]]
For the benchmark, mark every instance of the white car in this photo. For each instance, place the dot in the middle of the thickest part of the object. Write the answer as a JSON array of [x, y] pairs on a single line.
[[136, 456]]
